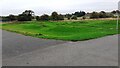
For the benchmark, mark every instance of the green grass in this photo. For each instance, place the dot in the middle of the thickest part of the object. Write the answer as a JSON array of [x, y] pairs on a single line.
[[74, 31]]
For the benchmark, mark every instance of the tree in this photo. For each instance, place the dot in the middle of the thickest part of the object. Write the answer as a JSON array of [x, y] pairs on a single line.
[[108, 15], [12, 17], [44, 17], [68, 16], [28, 12], [37, 18], [26, 15], [5, 18], [54, 16], [113, 12], [79, 14], [94, 15], [60, 17], [102, 14], [83, 17], [117, 11], [74, 17]]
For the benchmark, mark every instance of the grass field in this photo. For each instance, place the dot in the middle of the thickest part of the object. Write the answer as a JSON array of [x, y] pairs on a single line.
[[73, 31]]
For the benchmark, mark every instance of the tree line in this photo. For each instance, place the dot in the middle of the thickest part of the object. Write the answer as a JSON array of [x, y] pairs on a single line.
[[54, 16], [104, 14], [29, 15]]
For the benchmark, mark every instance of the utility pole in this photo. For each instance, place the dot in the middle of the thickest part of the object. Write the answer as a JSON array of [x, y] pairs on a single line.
[[117, 12], [117, 20]]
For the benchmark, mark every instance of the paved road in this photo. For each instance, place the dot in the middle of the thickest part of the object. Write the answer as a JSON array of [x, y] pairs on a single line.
[[15, 44], [19, 50], [0, 48]]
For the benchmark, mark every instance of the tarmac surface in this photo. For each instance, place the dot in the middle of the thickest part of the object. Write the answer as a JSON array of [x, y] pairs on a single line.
[[20, 50]]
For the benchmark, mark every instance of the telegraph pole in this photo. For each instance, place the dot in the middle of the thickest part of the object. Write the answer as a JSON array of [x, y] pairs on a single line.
[[117, 20], [117, 12]]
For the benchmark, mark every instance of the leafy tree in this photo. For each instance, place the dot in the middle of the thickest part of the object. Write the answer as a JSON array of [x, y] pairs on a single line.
[[83, 17], [26, 15], [5, 18], [117, 11], [94, 15], [79, 14], [28, 12], [60, 17], [102, 14], [37, 18], [68, 16], [54, 16], [74, 17], [108, 15], [44, 17], [113, 12], [12, 17]]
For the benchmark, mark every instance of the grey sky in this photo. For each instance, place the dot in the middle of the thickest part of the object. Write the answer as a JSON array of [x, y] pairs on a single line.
[[61, 6]]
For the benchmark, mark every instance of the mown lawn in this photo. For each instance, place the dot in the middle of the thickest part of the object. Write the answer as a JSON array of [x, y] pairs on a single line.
[[74, 31]]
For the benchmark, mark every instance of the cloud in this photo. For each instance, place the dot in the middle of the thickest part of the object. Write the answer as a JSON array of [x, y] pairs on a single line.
[[62, 6]]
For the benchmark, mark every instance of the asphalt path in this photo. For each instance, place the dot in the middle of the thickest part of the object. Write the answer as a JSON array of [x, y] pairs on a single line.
[[20, 50], [15, 44]]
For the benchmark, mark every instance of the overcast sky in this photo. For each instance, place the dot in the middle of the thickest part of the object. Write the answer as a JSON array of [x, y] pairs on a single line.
[[61, 6]]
